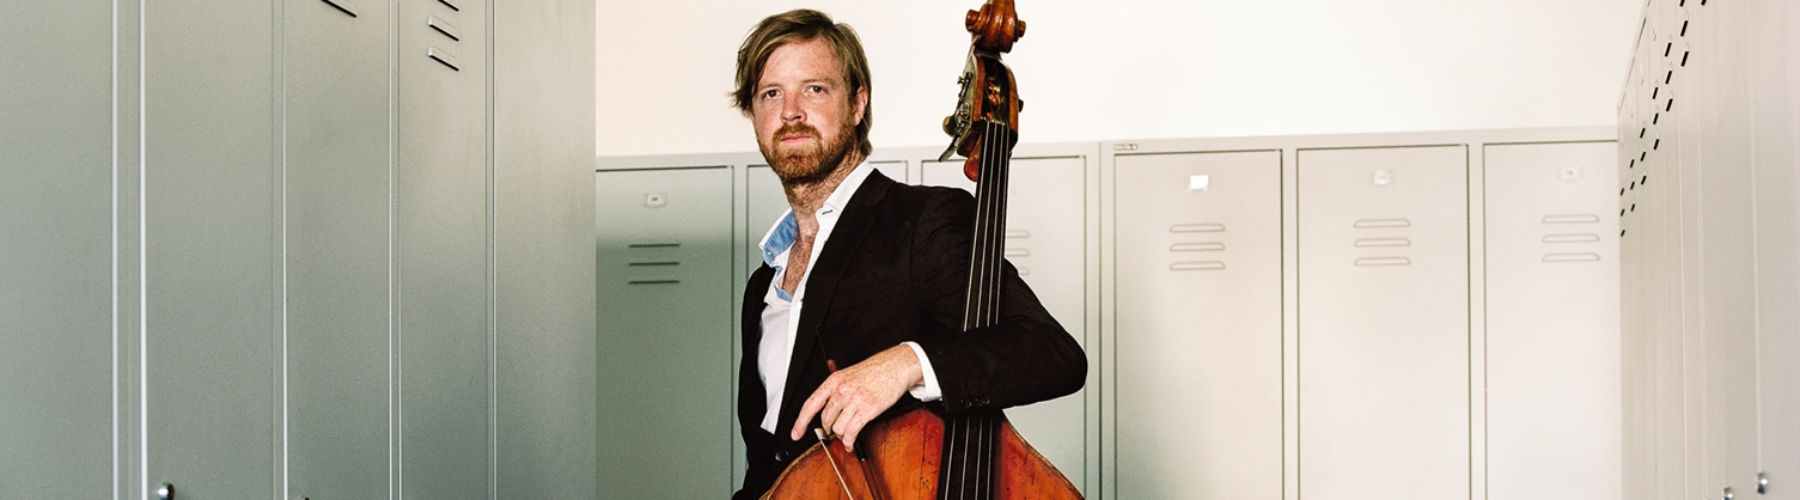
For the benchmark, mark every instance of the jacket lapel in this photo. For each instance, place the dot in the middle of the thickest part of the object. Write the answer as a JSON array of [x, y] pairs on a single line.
[[752, 395], [834, 261]]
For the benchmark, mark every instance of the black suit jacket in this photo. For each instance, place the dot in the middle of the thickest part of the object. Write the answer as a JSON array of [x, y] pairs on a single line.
[[896, 269]]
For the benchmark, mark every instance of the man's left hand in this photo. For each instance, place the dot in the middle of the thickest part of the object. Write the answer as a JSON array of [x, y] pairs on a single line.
[[853, 396]]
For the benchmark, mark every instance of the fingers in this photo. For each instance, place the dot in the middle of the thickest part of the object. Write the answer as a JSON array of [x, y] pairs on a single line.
[[813, 405]]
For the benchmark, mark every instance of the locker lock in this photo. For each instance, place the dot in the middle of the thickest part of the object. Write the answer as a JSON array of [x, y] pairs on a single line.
[[1762, 483], [1728, 495], [655, 200], [1382, 178], [1570, 173], [165, 492]]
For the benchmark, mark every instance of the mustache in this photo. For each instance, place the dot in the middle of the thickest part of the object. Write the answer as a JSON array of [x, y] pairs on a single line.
[[795, 129]]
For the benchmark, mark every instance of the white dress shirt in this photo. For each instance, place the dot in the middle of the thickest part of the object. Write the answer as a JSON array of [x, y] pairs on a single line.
[[781, 310]]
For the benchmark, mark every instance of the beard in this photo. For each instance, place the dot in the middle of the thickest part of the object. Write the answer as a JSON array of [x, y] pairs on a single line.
[[807, 164]]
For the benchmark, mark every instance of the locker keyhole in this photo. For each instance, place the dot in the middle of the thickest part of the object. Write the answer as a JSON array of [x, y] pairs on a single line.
[[1382, 178], [655, 200]]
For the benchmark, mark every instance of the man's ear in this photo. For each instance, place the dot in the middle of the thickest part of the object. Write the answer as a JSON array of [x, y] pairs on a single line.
[[862, 103]]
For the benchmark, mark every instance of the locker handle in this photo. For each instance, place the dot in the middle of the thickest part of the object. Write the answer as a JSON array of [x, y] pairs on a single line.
[[1382, 223], [444, 57], [1572, 238], [653, 282], [1383, 261], [1572, 257], [1197, 228], [1571, 219], [643, 264], [1210, 246], [442, 27], [343, 6], [654, 245], [165, 492], [1383, 242]]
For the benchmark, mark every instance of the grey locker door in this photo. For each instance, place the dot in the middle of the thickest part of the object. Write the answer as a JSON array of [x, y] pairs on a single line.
[[1553, 366], [1384, 322], [442, 236], [210, 225], [336, 232], [664, 312], [1045, 239], [1198, 325], [56, 193]]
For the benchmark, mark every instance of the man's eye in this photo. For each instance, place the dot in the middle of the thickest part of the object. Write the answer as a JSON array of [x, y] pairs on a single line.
[[816, 89], [769, 94]]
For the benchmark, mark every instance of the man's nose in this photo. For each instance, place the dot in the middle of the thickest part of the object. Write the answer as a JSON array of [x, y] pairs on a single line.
[[790, 110]]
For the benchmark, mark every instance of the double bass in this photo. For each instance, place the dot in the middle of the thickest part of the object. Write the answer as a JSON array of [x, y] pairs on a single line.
[[917, 453]]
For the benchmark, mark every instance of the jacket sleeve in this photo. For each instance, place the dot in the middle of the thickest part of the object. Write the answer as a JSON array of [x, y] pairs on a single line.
[[1026, 358]]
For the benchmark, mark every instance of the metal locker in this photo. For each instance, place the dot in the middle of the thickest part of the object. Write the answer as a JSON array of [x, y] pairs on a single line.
[[336, 234], [1553, 364], [57, 320], [209, 276], [1383, 322], [665, 314], [1045, 239], [442, 262], [1198, 325]]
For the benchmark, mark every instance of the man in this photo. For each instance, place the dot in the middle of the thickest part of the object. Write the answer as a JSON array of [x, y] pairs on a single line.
[[863, 272]]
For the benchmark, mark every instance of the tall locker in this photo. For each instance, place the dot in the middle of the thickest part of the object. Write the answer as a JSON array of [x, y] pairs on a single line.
[[664, 311], [56, 191], [210, 262], [1045, 240], [443, 256], [336, 235], [1384, 322], [1553, 366], [1198, 325]]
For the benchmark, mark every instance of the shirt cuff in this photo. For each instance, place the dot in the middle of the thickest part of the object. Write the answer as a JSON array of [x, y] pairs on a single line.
[[928, 391]]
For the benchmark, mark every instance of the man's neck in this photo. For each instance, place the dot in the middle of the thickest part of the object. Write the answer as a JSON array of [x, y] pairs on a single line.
[[806, 198]]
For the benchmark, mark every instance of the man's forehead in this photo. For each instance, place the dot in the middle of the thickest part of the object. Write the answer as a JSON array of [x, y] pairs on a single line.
[[819, 55]]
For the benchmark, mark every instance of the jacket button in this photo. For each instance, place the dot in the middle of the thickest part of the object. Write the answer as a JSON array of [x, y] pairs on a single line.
[[781, 456]]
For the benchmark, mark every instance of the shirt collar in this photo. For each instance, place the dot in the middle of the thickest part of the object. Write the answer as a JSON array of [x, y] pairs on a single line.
[[787, 228]]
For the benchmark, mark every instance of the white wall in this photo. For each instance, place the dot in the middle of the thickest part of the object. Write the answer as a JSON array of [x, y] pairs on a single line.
[[1136, 69]]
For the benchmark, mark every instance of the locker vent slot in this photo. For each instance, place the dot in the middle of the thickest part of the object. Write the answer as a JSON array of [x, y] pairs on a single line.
[[1211, 265], [344, 6], [1210, 246], [1384, 261], [1197, 228], [1571, 219], [1024, 271], [439, 55], [1382, 223], [653, 282], [1383, 242], [442, 27], [1572, 257], [652, 264], [1572, 238], [654, 245], [1018, 233], [452, 6], [1018, 252]]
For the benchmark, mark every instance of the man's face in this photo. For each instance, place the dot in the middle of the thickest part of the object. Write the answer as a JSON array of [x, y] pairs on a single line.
[[804, 112]]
